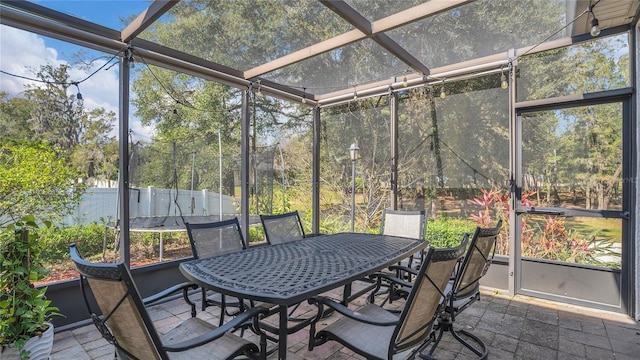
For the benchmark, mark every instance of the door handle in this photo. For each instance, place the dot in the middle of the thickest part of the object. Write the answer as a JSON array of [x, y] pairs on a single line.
[[544, 212]]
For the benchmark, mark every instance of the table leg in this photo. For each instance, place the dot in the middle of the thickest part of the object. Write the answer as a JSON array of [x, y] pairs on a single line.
[[282, 333], [346, 294]]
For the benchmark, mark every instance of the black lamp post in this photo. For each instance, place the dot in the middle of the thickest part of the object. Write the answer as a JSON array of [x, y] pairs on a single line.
[[353, 154]]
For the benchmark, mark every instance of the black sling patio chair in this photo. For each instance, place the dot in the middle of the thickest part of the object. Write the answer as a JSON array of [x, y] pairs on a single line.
[[465, 290], [122, 319], [212, 239], [282, 228], [376, 333]]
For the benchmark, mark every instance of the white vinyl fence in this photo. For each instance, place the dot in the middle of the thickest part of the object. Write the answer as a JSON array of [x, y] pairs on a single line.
[[101, 204]]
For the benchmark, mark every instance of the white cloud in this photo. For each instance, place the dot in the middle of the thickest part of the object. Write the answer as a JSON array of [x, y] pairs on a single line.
[[21, 53]]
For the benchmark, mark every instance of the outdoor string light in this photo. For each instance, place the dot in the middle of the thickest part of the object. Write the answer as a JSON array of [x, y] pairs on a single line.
[[595, 30], [304, 95], [442, 93], [259, 93], [504, 83], [79, 99], [128, 53]]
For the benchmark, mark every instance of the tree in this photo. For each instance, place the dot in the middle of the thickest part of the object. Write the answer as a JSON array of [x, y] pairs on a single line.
[[96, 155], [35, 180], [15, 113], [55, 116], [580, 147], [48, 113]]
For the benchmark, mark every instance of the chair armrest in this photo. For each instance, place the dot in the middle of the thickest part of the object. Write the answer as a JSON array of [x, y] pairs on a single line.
[[399, 268], [393, 279], [170, 291], [321, 300], [237, 322]]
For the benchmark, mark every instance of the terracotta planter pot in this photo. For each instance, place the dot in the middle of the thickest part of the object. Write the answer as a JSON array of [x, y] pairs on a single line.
[[39, 347]]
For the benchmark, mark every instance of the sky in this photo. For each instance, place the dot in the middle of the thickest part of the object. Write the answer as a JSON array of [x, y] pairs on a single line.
[[22, 53]]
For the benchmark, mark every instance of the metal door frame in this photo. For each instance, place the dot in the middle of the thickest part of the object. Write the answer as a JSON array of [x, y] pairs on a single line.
[[624, 97]]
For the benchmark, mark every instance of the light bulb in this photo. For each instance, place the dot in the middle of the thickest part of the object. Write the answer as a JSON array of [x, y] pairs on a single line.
[[259, 93], [503, 82], [129, 55], [442, 93], [355, 95], [79, 99], [405, 83], [304, 100], [595, 30]]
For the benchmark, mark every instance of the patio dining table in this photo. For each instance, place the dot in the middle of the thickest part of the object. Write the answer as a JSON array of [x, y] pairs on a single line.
[[286, 274]]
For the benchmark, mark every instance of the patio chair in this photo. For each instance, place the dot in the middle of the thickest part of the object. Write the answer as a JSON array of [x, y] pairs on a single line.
[[376, 333], [397, 282], [282, 228], [465, 289], [212, 239], [123, 320], [410, 224]]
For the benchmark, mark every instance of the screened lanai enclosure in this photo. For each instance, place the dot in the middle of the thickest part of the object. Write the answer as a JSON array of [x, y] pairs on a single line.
[[475, 111]]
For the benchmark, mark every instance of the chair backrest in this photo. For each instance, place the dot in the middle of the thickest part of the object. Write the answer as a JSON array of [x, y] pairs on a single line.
[[477, 260], [411, 224], [425, 300], [282, 228], [215, 238], [122, 318]]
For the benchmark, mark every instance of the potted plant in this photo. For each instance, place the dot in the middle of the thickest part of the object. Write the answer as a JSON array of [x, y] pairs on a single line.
[[25, 313]]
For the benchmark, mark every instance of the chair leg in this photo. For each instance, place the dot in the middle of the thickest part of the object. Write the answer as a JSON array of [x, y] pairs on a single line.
[[185, 295], [482, 352], [204, 299], [446, 325]]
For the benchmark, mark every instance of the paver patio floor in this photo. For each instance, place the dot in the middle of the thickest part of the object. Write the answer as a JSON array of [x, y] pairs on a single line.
[[516, 327]]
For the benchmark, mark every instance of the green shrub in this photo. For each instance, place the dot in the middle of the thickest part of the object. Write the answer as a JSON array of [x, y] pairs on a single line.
[[333, 224], [256, 234], [89, 238], [447, 232]]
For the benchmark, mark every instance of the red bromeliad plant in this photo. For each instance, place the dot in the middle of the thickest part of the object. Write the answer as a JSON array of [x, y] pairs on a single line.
[[547, 240], [495, 206]]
